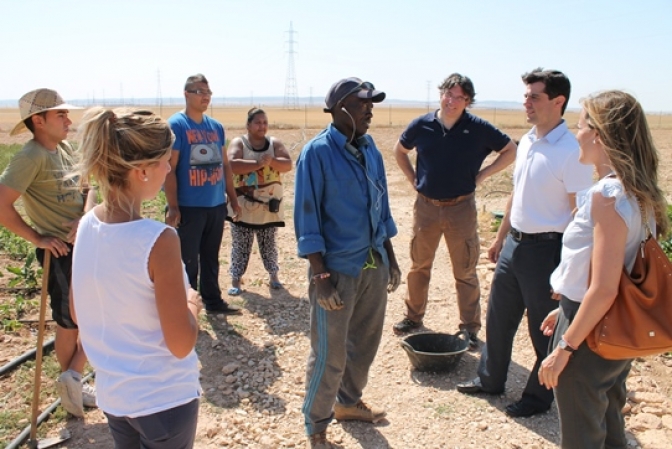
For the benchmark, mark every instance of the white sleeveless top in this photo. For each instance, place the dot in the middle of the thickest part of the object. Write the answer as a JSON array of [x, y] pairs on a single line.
[[570, 278], [136, 374]]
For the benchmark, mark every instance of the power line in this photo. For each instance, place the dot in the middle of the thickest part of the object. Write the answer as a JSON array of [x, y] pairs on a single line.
[[291, 92]]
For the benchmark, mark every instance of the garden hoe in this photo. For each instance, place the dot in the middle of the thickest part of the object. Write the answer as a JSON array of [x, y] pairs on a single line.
[[48, 442]]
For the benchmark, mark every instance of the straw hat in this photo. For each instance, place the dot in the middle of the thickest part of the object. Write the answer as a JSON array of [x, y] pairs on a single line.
[[36, 101]]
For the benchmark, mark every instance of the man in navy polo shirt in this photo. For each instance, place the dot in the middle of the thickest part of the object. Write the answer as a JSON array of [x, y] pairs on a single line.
[[451, 144]]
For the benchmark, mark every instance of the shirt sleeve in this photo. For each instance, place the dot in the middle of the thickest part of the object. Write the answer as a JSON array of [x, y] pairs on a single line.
[[407, 138], [496, 139], [308, 191], [20, 173], [179, 134], [576, 176]]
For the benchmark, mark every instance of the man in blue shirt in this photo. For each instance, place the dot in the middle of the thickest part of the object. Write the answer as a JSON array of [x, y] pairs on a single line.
[[195, 192], [343, 227], [451, 144]]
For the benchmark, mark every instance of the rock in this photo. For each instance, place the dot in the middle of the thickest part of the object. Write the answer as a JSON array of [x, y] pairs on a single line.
[[645, 421], [654, 439], [667, 421], [653, 410], [230, 368], [649, 398]]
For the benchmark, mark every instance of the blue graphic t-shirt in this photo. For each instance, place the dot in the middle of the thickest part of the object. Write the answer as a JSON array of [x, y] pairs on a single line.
[[199, 171]]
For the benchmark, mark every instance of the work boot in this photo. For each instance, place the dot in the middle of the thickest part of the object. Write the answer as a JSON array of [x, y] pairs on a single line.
[[405, 326], [319, 441], [358, 412]]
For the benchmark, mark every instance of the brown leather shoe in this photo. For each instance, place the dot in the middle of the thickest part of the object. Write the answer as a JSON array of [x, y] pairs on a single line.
[[361, 411], [319, 441]]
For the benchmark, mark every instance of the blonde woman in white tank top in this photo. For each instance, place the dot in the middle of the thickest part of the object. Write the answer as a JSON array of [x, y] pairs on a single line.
[[136, 314]]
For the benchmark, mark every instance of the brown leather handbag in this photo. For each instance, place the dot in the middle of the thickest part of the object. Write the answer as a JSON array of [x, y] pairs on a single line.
[[639, 323]]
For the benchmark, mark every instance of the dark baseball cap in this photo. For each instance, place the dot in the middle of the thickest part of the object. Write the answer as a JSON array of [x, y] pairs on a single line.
[[341, 89]]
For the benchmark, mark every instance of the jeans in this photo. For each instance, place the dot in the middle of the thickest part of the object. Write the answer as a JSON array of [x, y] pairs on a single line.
[[174, 428], [201, 230]]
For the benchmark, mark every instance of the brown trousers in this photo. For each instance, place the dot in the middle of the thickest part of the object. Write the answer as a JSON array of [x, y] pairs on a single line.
[[457, 222]]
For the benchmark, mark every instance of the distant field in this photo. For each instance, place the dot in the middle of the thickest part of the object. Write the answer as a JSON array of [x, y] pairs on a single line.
[[313, 117]]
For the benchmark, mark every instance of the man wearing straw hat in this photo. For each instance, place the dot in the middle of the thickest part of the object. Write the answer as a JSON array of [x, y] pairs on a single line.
[[38, 174]]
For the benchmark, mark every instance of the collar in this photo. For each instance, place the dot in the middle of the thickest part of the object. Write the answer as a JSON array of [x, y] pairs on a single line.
[[554, 135], [457, 123], [340, 139]]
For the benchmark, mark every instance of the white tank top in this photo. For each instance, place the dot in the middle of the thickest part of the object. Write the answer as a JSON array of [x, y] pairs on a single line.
[[136, 374]]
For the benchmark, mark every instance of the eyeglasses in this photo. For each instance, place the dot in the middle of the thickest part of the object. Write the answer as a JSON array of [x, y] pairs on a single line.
[[206, 92], [452, 97]]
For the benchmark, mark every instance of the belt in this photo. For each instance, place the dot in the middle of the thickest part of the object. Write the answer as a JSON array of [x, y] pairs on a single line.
[[446, 201], [519, 236]]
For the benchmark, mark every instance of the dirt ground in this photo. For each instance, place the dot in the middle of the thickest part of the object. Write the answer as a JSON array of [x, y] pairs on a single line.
[[253, 365]]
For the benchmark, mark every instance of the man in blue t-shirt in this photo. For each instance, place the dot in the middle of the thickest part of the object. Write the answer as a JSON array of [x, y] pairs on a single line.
[[195, 191], [451, 145]]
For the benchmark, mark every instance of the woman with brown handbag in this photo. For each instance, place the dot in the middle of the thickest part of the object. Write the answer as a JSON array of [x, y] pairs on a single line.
[[604, 236]]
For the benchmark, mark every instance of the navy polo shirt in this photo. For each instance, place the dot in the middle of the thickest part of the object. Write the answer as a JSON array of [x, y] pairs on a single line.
[[449, 159]]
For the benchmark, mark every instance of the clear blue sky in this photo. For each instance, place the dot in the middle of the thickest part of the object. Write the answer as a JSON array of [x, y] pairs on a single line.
[[91, 48]]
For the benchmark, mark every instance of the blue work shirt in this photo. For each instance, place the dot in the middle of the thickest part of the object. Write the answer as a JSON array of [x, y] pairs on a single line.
[[449, 159], [341, 208]]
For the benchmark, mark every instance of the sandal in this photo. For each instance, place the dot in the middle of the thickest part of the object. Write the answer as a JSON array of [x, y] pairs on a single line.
[[234, 291]]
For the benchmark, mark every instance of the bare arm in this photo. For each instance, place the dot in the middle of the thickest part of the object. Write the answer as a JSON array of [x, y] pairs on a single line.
[[240, 166], [607, 260], [281, 161], [504, 228], [170, 189], [230, 189], [404, 162], [177, 312], [395, 272], [505, 157], [12, 220]]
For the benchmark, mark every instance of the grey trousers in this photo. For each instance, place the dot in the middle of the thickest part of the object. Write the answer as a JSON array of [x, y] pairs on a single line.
[[590, 394], [343, 343], [521, 282], [174, 428]]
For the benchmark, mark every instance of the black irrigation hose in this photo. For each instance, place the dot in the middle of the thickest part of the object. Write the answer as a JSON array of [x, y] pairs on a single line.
[[23, 357], [16, 442]]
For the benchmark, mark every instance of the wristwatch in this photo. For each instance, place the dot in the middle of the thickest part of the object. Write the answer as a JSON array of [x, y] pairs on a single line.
[[562, 344]]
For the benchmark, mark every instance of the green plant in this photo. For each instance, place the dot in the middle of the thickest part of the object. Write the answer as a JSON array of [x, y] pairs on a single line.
[[13, 245], [667, 244], [27, 276]]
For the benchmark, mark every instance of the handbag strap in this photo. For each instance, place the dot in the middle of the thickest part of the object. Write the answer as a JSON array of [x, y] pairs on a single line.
[[645, 220]]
